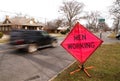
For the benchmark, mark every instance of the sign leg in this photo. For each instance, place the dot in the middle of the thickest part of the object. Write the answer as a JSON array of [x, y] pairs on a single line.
[[83, 69], [75, 71], [87, 73]]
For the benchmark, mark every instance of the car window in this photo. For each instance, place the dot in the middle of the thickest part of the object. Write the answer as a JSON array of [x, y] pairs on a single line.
[[14, 33], [31, 33], [44, 33]]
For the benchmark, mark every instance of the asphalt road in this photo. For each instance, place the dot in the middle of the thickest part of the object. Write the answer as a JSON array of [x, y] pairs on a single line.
[[39, 66], [18, 65]]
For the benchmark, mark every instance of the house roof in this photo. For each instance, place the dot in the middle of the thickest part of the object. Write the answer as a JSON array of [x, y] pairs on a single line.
[[21, 21]]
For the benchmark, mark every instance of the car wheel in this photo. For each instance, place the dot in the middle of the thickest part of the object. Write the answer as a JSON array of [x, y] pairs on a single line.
[[54, 43], [32, 48]]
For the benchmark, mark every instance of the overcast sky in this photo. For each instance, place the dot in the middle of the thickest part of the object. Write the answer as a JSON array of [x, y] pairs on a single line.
[[47, 9]]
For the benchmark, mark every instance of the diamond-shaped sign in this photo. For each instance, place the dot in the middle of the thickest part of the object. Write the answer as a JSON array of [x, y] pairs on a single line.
[[81, 43]]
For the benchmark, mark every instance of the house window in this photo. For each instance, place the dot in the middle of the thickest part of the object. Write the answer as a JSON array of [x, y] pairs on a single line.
[[1, 28], [6, 28], [9, 28]]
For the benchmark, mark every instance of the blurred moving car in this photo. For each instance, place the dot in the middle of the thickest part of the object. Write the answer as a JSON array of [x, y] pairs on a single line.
[[31, 40], [118, 36]]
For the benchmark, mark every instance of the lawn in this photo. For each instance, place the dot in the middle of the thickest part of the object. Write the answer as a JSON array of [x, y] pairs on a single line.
[[4, 39], [106, 62]]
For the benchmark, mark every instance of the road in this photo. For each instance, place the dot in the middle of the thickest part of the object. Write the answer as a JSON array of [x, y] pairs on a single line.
[[39, 66], [18, 65], [105, 38]]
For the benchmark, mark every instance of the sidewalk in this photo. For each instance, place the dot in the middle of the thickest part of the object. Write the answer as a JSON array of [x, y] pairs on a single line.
[[57, 35]]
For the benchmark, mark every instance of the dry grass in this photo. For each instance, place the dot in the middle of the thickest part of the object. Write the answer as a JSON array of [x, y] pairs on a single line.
[[4, 39]]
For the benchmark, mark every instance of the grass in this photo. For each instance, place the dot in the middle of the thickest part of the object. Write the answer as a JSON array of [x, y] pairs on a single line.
[[106, 60], [112, 35], [4, 39]]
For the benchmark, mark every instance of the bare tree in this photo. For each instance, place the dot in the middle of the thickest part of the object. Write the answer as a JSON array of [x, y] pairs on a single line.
[[53, 25], [50, 27], [58, 22], [115, 11], [92, 19], [115, 8], [71, 10]]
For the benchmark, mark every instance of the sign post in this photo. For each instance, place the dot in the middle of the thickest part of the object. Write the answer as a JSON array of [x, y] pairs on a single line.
[[81, 44]]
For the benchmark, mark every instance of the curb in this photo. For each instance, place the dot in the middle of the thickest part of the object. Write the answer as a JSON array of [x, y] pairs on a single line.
[[62, 71]]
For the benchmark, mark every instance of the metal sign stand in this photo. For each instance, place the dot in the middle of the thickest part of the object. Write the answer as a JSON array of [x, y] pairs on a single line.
[[78, 40], [83, 69]]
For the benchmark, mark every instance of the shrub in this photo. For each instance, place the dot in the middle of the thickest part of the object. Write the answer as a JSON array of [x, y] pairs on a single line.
[[112, 35], [65, 32], [1, 34]]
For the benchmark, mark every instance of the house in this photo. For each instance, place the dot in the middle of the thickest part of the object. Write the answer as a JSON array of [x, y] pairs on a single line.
[[19, 23]]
